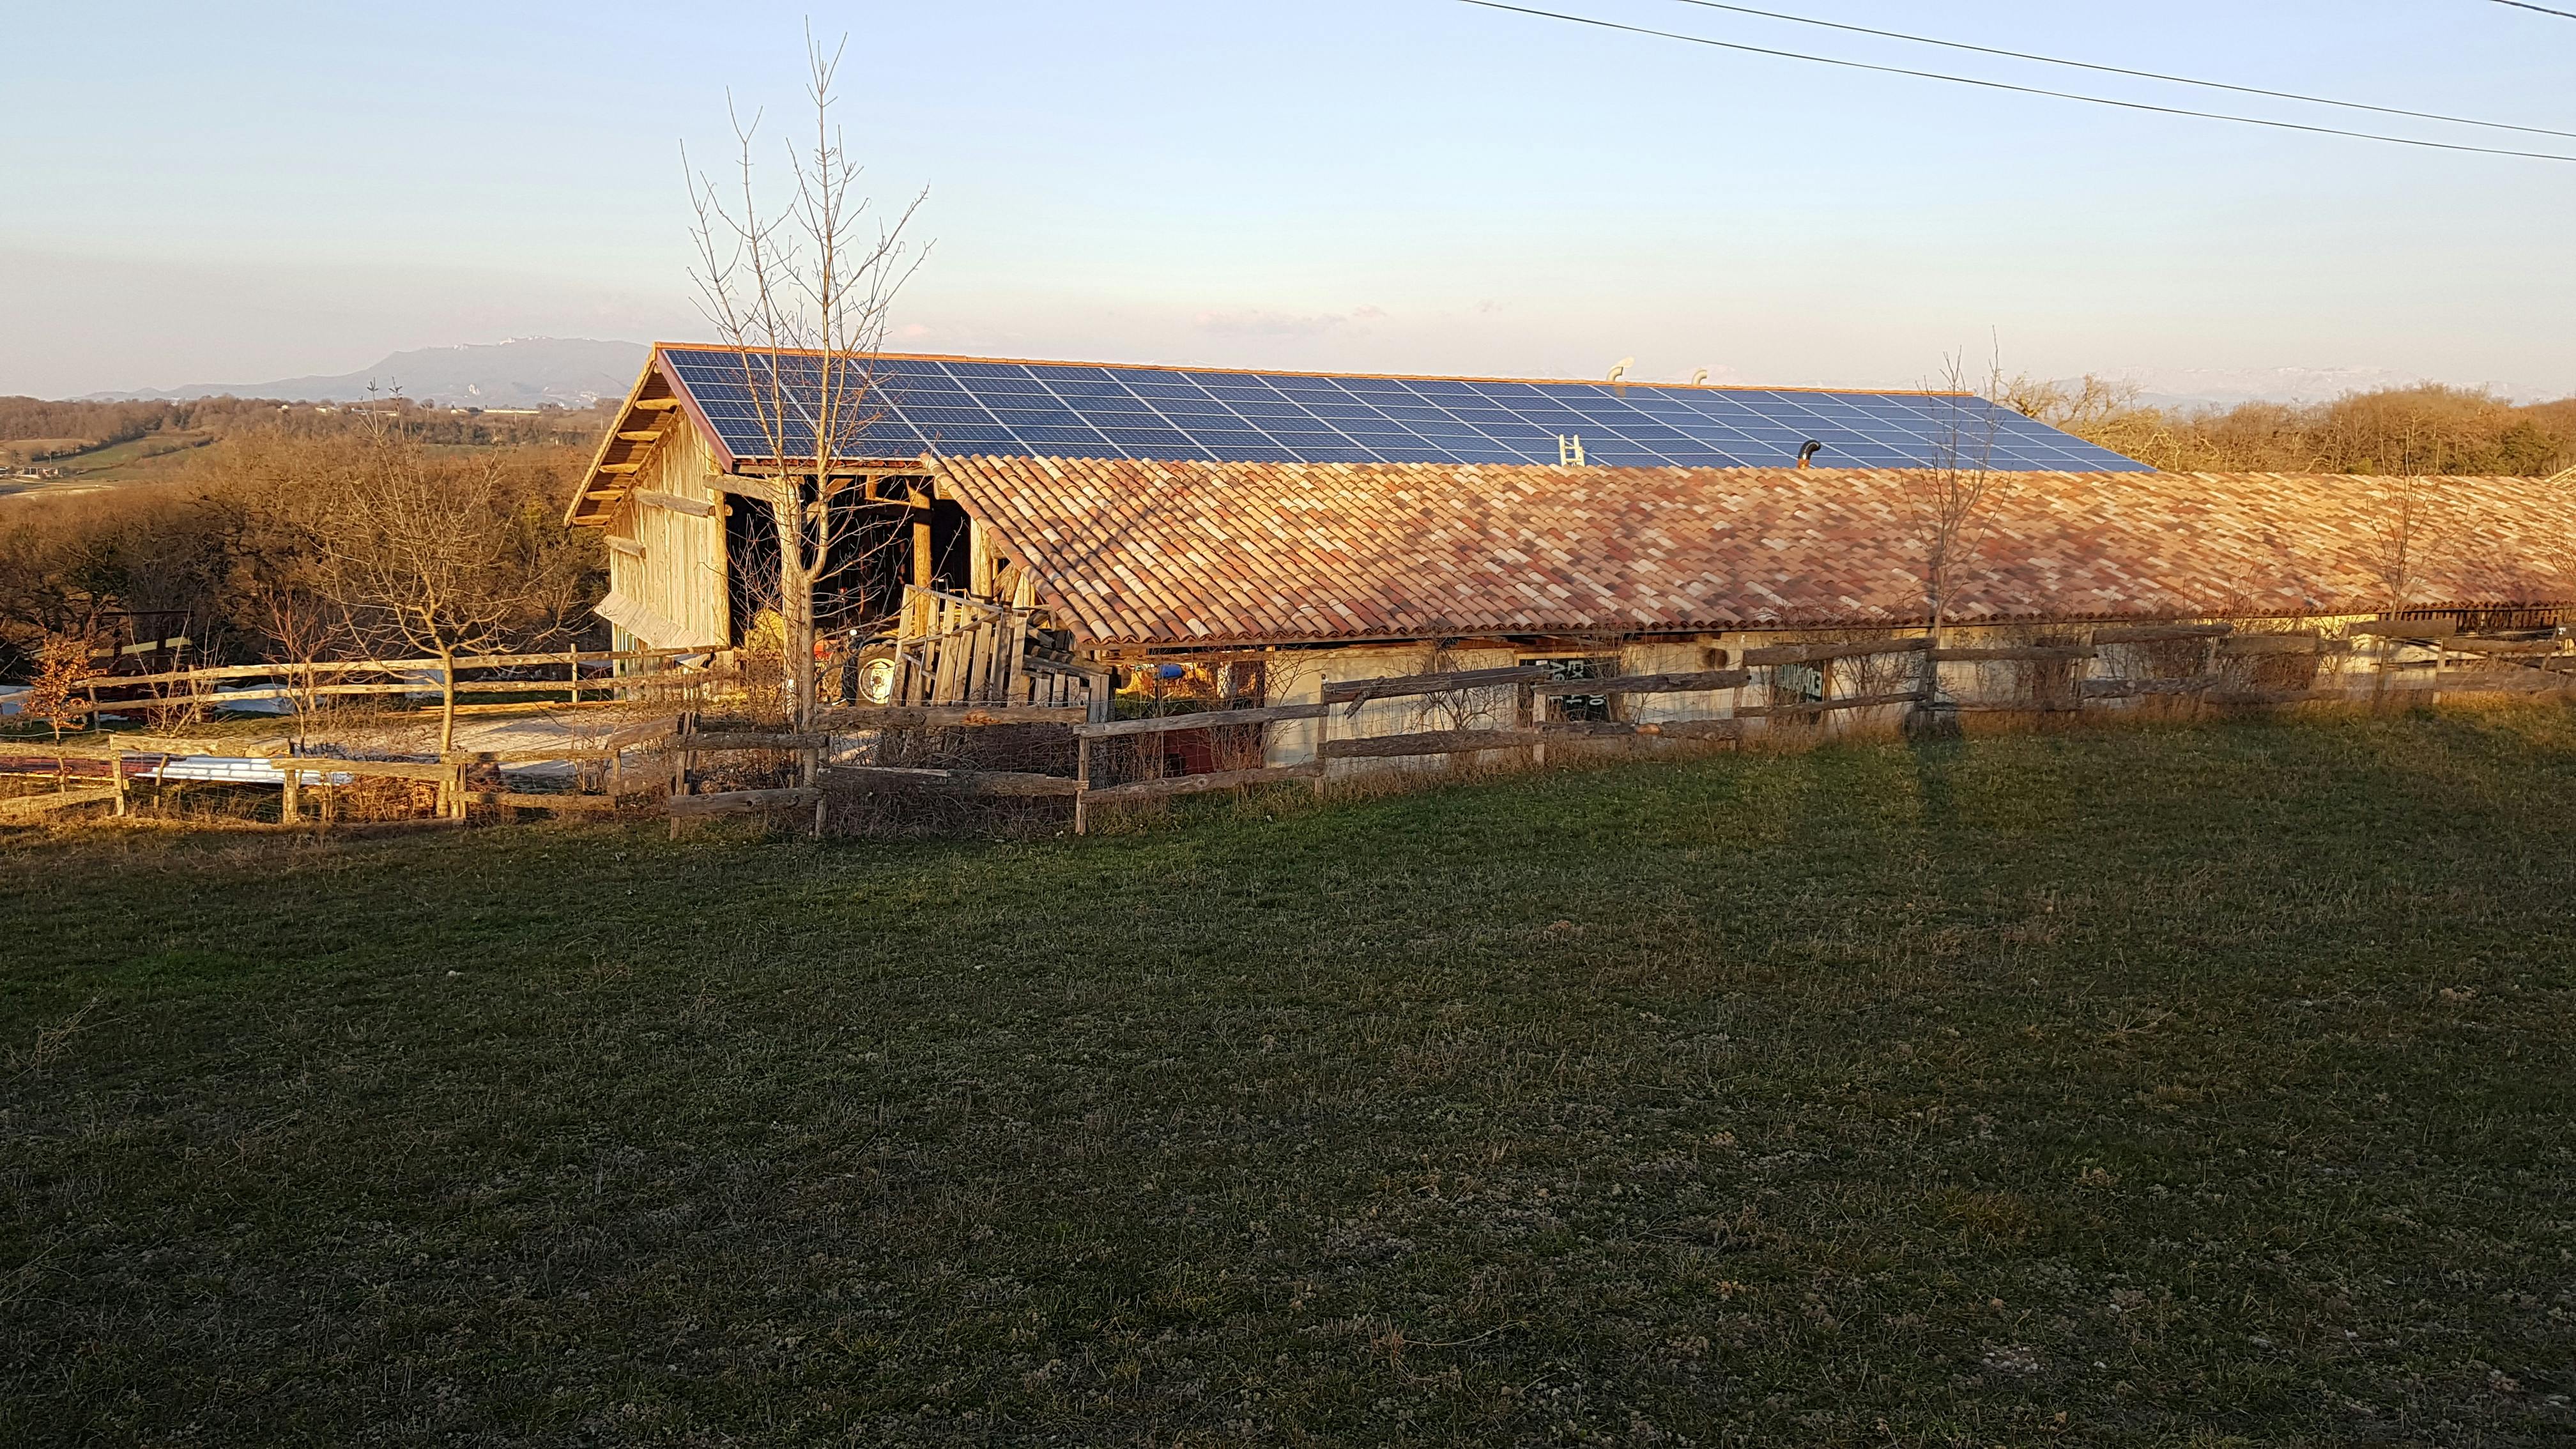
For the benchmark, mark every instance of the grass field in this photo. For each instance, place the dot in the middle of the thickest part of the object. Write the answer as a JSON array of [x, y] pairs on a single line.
[[2137, 1087]]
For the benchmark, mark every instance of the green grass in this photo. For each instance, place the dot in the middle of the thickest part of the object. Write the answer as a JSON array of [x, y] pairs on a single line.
[[2155, 1087]]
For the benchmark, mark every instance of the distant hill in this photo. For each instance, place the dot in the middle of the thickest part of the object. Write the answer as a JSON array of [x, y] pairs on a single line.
[[524, 372]]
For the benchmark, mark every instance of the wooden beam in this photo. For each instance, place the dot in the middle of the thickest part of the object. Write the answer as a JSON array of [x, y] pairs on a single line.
[[944, 716], [2137, 688], [2408, 628], [655, 404], [527, 757], [2016, 651], [697, 507], [370, 769], [1673, 729], [1818, 653], [748, 740], [1806, 708], [1212, 719], [58, 800], [1203, 784], [2160, 633], [1356, 692], [640, 437], [1016, 783], [2500, 647], [1702, 729], [2240, 645], [1692, 683], [626, 546], [620, 467]]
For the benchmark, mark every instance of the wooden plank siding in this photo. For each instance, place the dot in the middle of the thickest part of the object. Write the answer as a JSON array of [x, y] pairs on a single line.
[[668, 562]]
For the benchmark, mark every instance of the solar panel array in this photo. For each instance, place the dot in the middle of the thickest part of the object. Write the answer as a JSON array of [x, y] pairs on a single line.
[[961, 407]]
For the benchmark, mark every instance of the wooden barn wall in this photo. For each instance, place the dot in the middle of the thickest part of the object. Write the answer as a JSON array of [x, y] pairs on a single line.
[[680, 576]]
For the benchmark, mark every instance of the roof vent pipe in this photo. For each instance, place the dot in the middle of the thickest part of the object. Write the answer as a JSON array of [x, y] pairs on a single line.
[[1621, 370], [1699, 377], [1807, 450]]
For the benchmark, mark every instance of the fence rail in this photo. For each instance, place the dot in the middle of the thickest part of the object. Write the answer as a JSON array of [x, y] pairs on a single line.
[[2215, 667]]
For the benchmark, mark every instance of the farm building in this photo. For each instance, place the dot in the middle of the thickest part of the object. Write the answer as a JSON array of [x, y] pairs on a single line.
[[1047, 533]]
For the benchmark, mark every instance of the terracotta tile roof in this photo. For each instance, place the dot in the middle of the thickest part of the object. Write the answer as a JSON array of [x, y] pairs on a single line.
[[1159, 552]]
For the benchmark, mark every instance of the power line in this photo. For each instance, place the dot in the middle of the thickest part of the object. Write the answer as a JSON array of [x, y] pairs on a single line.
[[2141, 74], [2021, 90], [2543, 9]]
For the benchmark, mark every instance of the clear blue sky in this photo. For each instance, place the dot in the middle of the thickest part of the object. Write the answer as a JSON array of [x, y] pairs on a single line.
[[214, 193]]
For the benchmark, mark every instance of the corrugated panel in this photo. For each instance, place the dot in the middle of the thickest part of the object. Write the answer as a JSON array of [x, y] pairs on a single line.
[[1164, 552]]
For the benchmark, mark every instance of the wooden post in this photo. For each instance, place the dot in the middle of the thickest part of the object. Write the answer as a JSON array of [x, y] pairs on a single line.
[[1323, 732], [289, 806], [573, 656], [116, 774], [1081, 785], [1526, 716], [681, 730], [813, 781]]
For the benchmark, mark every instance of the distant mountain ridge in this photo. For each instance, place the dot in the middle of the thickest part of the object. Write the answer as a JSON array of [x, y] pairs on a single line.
[[524, 372]]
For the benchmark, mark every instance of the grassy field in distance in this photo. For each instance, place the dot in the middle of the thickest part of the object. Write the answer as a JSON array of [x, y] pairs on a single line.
[[2201, 1086], [153, 458]]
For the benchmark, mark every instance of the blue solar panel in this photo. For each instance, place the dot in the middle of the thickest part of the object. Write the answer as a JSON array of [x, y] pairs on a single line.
[[1071, 410]]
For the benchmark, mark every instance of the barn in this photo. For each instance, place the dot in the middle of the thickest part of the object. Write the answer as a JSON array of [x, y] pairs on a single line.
[[1053, 533]]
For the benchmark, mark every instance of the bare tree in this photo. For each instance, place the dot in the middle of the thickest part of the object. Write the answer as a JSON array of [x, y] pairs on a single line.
[[1947, 507], [303, 629], [801, 294], [2401, 532], [421, 560]]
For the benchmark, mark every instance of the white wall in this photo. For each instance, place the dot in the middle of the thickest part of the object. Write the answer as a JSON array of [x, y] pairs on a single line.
[[1299, 677]]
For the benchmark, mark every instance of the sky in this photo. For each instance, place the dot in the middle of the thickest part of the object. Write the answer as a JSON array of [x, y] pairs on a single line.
[[199, 193]]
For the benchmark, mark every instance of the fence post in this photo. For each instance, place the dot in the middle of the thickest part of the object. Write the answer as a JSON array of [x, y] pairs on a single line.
[[289, 803], [1527, 717], [814, 782], [1081, 784], [1323, 732], [681, 731]]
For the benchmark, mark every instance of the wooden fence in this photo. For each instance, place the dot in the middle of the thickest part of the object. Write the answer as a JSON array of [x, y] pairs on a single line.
[[659, 764], [304, 681]]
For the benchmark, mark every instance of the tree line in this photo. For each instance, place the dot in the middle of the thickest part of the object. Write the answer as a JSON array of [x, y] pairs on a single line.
[[287, 544], [2410, 431], [33, 429]]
